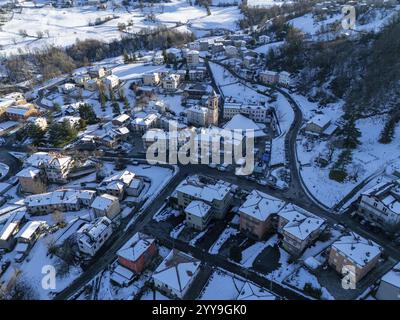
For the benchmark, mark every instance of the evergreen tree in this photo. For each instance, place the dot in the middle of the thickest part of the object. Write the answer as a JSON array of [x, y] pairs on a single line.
[[36, 133], [350, 134], [87, 113]]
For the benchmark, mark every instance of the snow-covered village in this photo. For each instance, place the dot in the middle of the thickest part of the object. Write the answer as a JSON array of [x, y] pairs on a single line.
[[88, 88]]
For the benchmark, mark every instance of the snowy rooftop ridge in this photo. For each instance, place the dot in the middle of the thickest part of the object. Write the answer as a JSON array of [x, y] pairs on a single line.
[[260, 206], [357, 249], [134, 248], [177, 270]]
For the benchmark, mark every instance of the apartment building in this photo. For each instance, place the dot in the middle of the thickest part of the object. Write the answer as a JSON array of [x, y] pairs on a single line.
[[257, 213], [92, 236]]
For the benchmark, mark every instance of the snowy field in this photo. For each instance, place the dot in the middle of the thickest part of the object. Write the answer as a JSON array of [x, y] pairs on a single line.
[[35, 27], [369, 159]]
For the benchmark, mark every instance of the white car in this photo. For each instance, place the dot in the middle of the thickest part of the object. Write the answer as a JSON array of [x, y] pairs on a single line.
[[262, 182]]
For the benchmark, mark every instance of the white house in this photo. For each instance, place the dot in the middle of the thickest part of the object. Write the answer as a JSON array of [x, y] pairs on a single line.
[[176, 273], [106, 205], [198, 214], [264, 39], [171, 82], [111, 81], [381, 205], [299, 229], [92, 236]]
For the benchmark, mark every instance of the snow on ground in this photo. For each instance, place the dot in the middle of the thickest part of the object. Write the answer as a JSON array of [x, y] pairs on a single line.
[[108, 291], [265, 48], [228, 232], [369, 160], [33, 269], [197, 237], [46, 25], [136, 70], [4, 169], [251, 253], [301, 277], [309, 25], [165, 213], [175, 232], [222, 286]]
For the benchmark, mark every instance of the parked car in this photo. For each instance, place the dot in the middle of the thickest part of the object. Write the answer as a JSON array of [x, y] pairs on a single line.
[[262, 182]]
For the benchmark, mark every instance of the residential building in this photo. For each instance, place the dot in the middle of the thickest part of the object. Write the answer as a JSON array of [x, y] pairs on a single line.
[[121, 120], [91, 85], [197, 116], [354, 256], [144, 123], [92, 236], [135, 187], [217, 195], [30, 232], [106, 205], [299, 229], [284, 78], [198, 214], [389, 286], [264, 39], [66, 88], [171, 82], [10, 229], [193, 58], [20, 112], [158, 59], [58, 168], [176, 273], [116, 184], [320, 125], [98, 72], [151, 79], [59, 200], [110, 82], [138, 252], [255, 112], [32, 180], [380, 205], [257, 213], [269, 77]]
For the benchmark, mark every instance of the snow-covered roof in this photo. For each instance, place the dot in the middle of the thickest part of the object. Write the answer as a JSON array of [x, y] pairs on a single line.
[[18, 110], [29, 172], [301, 225], [177, 270], [206, 192], [320, 120], [38, 158], [241, 122], [91, 232], [125, 177], [357, 249], [122, 118], [260, 205], [251, 291], [103, 202], [136, 246], [198, 208], [58, 197], [388, 193], [11, 225], [393, 276], [29, 229]]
